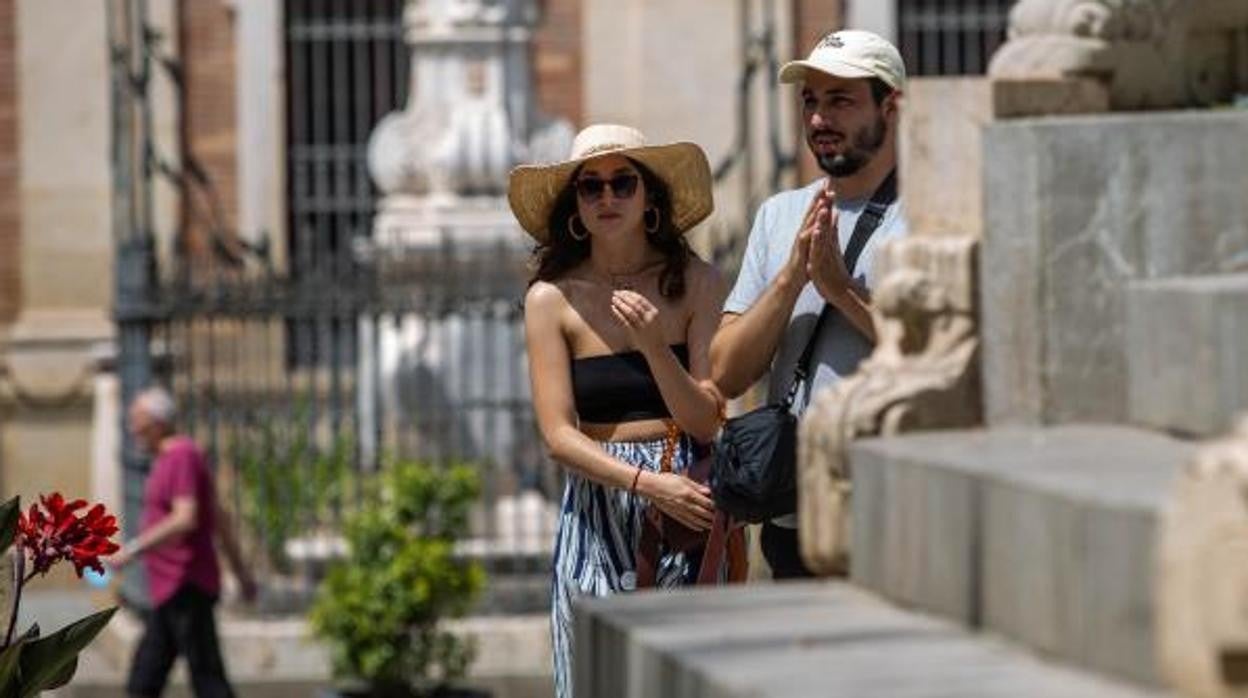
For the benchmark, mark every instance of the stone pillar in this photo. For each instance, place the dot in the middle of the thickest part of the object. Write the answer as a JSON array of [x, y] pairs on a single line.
[[442, 164]]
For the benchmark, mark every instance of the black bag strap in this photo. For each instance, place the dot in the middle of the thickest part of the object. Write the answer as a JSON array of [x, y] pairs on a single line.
[[868, 222]]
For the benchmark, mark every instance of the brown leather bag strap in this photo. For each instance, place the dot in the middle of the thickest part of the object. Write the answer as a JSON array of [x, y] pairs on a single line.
[[738, 558], [670, 442], [713, 553], [651, 520], [648, 550]]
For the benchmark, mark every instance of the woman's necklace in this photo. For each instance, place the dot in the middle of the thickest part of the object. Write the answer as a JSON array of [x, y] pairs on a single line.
[[625, 280]]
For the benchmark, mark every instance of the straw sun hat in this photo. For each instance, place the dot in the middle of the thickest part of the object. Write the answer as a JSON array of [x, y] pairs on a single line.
[[532, 189]]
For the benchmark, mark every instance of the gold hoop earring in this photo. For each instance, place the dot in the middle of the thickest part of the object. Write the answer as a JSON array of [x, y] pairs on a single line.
[[572, 228], [652, 229]]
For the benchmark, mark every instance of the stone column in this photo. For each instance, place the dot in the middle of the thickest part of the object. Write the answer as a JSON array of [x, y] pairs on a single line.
[[442, 164]]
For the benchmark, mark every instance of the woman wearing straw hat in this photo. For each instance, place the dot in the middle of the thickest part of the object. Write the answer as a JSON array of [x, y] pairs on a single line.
[[619, 318]]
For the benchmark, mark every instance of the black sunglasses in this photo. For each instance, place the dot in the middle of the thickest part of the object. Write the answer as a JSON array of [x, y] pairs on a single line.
[[623, 186]]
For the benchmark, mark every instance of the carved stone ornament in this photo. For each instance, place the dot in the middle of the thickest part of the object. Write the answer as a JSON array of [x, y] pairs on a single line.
[[1150, 53], [471, 113], [921, 376], [1202, 573]]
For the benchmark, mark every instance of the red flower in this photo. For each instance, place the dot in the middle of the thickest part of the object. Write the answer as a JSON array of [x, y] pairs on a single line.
[[55, 532]]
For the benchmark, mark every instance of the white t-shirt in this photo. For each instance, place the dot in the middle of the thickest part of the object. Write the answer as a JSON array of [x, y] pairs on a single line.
[[841, 347]]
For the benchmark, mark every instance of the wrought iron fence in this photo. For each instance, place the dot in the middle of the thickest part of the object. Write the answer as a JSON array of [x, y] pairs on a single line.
[[414, 356]]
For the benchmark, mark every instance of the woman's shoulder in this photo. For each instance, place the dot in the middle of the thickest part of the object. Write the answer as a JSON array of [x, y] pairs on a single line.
[[702, 275], [545, 296]]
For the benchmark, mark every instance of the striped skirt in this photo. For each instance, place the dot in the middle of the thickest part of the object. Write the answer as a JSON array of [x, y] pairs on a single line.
[[596, 543]]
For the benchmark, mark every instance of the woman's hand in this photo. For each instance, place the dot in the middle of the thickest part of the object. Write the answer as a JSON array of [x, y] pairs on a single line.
[[679, 497], [639, 316]]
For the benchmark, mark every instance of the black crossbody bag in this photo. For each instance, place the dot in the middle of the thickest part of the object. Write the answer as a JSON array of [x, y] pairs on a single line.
[[755, 473]]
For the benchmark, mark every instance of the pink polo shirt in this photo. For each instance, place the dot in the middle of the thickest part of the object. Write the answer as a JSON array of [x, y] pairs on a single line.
[[181, 471]]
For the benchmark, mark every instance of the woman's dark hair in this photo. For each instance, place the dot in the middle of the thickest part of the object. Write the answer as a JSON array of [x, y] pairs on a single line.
[[561, 252]]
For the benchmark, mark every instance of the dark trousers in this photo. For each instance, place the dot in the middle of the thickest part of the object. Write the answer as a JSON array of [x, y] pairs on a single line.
[[779, 546], [184, 625]]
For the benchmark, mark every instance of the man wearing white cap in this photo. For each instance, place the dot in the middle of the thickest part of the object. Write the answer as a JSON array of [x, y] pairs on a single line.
[[812, 248]]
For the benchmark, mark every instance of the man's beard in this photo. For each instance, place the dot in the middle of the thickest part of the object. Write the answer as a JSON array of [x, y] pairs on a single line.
[[865, 144]]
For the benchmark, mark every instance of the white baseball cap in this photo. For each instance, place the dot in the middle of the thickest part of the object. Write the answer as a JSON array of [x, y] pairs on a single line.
[[851, 53]]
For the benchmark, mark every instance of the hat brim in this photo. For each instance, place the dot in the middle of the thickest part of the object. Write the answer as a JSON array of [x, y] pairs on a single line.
[[795, 71], [533, 189]]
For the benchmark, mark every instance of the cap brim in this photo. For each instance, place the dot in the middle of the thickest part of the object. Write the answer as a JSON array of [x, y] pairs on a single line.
[[532, 189], [795, 71]]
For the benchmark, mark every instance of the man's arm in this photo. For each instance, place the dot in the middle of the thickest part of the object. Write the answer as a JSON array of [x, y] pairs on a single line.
[[745, 343], [180, 521], [855, 305]]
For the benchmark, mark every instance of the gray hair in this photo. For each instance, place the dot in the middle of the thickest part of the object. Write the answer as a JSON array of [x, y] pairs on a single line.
[[157, 403]]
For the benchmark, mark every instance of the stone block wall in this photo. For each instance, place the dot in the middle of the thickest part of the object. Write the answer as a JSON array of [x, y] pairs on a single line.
[[1076, 209], [1186, 340]]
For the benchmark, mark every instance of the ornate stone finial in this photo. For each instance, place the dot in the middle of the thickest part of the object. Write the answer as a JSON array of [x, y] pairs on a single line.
[[921, 375], [1202, 573], [471, 114], [1150, 53], [448, 14]]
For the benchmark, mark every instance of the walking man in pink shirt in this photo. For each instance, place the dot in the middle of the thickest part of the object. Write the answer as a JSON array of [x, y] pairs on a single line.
[[181, 519]]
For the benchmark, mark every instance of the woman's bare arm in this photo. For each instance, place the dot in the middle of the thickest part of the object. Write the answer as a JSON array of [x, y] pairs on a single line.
[[690, 395]]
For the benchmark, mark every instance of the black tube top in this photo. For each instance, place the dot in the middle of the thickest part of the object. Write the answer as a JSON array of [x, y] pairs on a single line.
[[614, 388]]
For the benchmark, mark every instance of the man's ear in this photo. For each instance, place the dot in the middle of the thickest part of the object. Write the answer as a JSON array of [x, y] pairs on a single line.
[[892, 104]]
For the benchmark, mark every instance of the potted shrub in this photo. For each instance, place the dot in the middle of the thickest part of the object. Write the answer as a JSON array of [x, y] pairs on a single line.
[[381, 608]]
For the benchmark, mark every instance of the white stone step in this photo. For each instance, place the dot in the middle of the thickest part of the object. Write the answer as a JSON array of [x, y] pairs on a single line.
[[1187, 352], [824, 639], [1046, 536]]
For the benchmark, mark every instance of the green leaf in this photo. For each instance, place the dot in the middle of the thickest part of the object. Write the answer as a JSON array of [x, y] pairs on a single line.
[[46, 660], [8, 522], [8, 668], [32, 633], [66, 674]]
